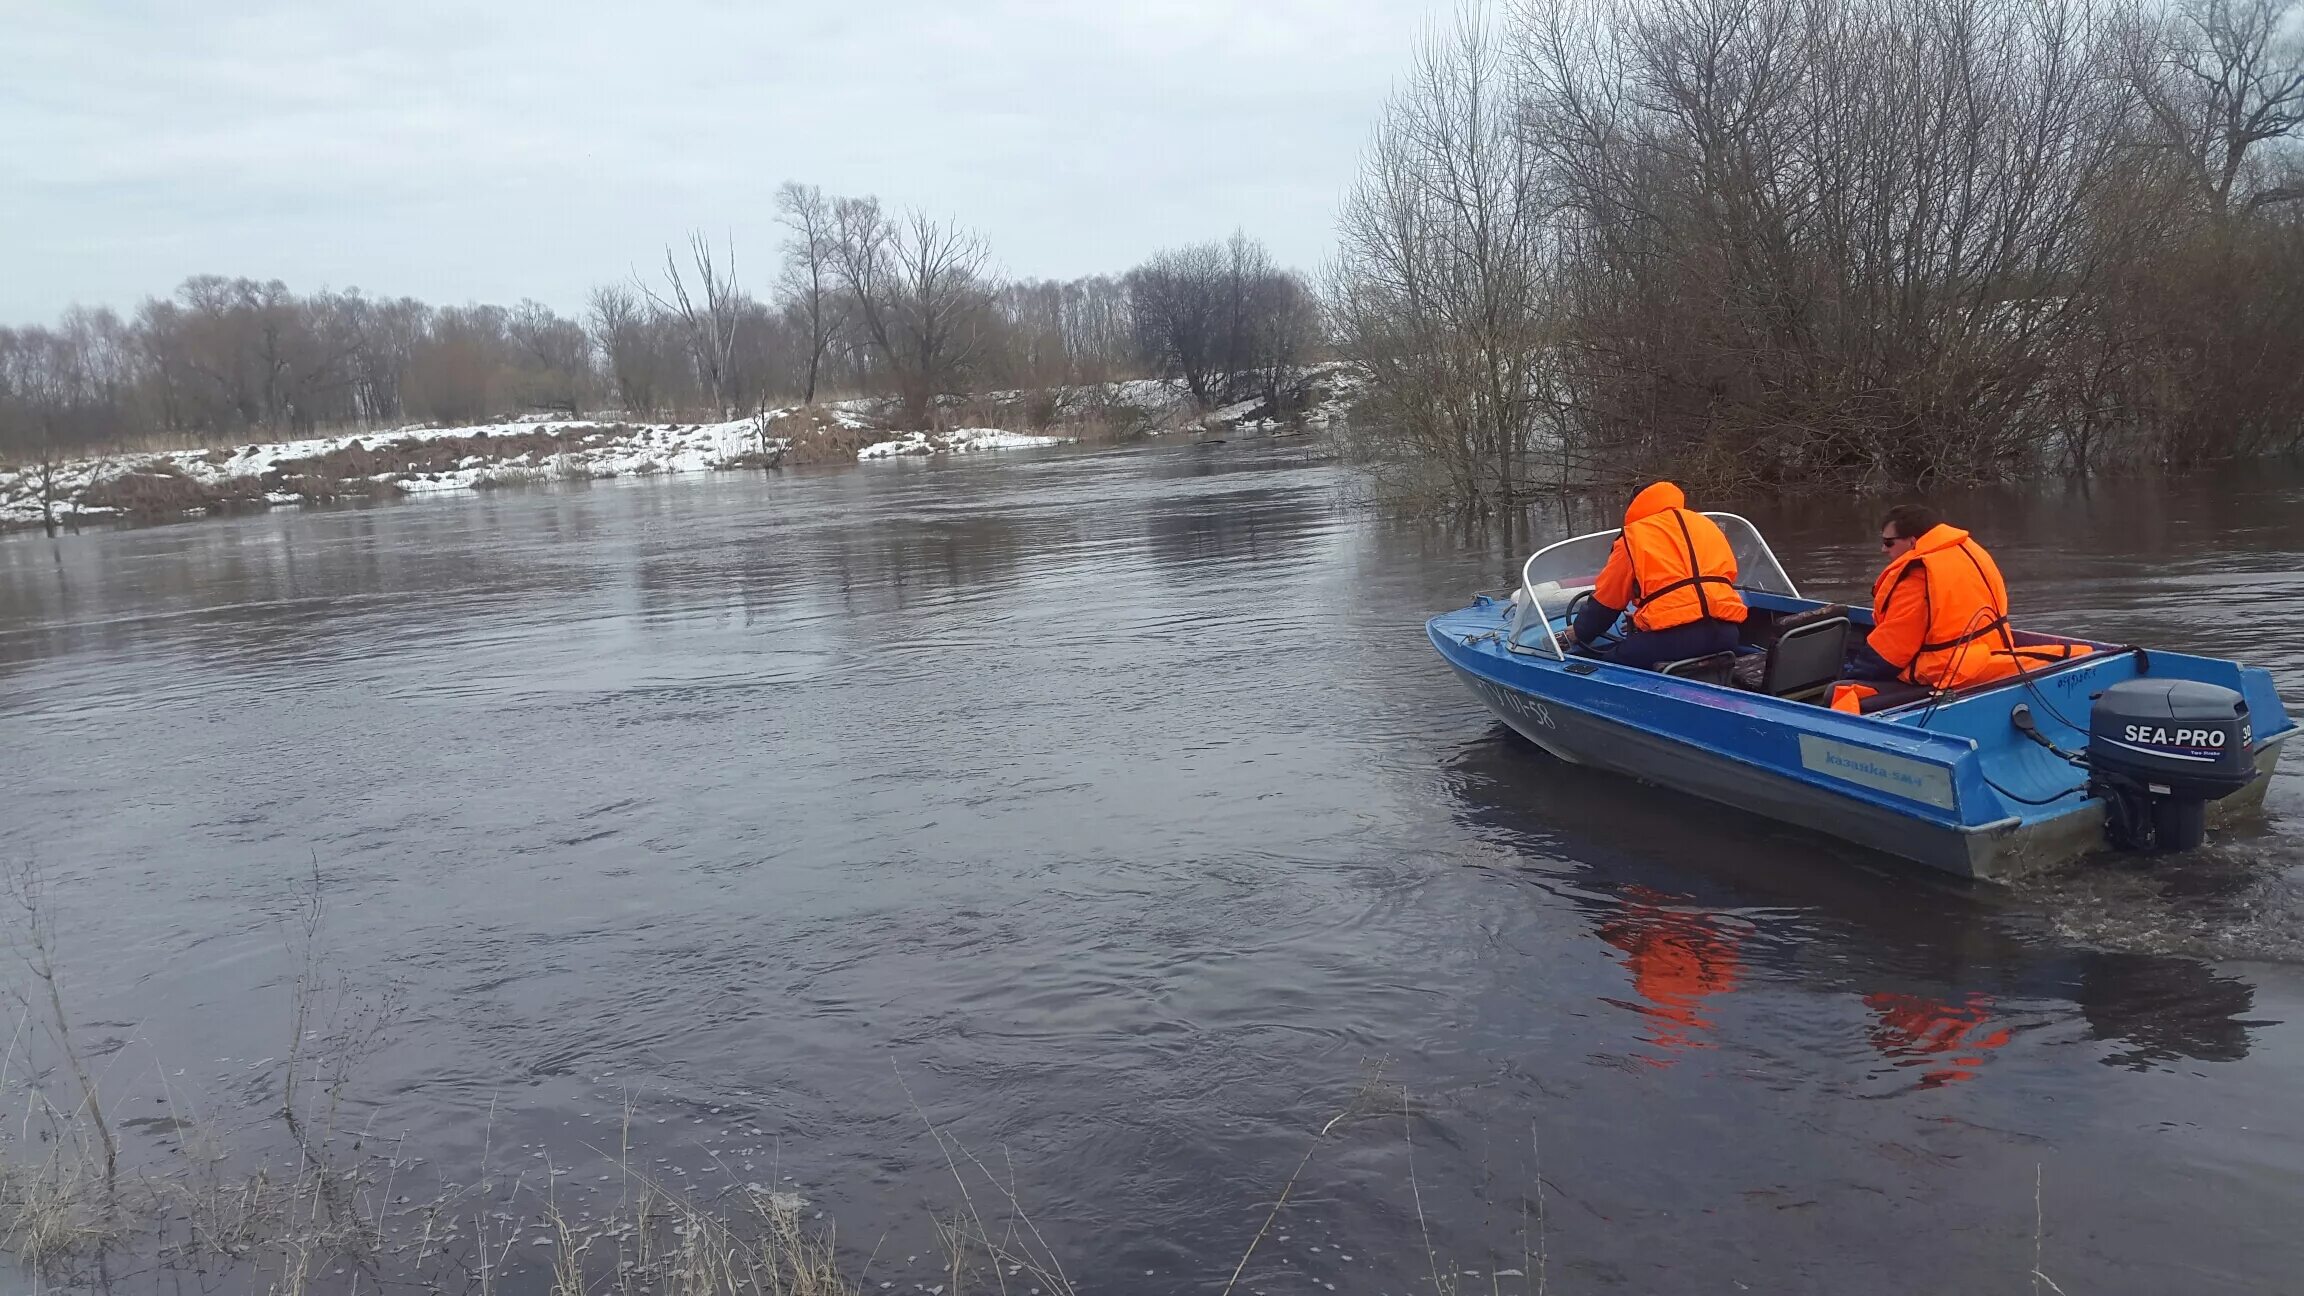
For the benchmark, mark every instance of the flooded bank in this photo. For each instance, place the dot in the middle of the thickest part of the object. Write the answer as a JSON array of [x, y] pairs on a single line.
[[1109, 810]]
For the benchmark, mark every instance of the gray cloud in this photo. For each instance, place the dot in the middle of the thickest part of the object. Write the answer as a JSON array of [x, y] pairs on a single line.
[[492, 151]]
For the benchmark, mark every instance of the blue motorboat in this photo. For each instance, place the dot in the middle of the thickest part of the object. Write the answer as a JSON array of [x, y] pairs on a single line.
[[2126, 747]]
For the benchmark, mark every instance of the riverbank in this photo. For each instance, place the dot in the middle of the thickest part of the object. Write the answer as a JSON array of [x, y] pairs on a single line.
[[420, 460]]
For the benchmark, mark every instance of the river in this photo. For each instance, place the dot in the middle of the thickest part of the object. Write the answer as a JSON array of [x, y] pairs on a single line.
[[1108, 809]]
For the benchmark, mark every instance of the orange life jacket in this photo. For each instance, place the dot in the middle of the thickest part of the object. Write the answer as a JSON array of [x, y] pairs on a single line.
[[1672, 566], [1940, 616]]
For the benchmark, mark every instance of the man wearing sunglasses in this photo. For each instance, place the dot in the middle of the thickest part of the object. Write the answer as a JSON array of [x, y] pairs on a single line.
[[1939, 609]]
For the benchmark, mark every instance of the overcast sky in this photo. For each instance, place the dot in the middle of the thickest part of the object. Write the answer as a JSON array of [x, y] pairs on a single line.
[[487, 150]]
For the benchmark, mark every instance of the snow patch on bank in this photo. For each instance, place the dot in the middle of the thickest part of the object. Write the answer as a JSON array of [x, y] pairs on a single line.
[[959, 441], [533, 449], [268, 471]]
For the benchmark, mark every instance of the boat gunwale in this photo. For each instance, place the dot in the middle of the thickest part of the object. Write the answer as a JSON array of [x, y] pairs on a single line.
[[1654, 683], [1897, 715], [1945, 751]]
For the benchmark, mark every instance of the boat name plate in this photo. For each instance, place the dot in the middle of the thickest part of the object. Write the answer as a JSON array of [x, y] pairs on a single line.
[[1878, 770]]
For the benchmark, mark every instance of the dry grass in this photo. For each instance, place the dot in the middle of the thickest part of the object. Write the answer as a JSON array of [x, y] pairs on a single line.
[[315, 488], [146, 445], [160, 489], [53, 1210], [513, 475], [413, 456], [1105, 425], [665, 1245], [159, 442], [816, 436]]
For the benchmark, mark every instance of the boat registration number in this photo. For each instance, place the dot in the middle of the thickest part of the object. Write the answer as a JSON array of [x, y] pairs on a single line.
[[1517, 704], [1878, 770]]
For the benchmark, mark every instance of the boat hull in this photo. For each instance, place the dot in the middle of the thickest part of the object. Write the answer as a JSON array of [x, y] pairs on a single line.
[[1994, 852], [1952, 784]]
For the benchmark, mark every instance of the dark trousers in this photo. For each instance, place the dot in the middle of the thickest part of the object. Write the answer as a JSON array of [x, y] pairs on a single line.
[[1649, 649], [1867, 665]]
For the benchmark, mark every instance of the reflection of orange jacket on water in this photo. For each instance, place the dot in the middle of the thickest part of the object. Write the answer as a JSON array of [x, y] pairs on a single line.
[[1678, 960], [1915, 1030]]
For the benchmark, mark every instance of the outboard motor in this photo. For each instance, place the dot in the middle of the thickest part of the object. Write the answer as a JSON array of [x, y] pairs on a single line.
[[2159, 751]]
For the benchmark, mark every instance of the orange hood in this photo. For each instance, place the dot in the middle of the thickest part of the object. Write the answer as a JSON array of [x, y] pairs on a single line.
[[1943, 535], [1654, 500]]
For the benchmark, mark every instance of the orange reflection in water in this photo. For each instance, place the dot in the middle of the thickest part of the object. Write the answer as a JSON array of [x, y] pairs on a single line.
[[1949, 1038], [1678, 959]]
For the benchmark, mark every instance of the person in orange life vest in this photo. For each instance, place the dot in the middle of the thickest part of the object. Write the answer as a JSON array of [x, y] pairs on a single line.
[[1940, 610], [1673, 568]]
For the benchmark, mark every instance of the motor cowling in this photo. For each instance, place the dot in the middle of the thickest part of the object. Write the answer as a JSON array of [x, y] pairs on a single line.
[[2159, 751]]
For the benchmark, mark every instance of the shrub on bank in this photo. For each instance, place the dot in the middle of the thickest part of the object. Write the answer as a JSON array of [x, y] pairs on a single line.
[[160, 489], [815, 435]]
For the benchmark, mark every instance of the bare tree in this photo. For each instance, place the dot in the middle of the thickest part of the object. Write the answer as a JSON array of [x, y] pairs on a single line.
[[389, 334], [36, 396], [920, 293], [1757, 241], [708, 313], [254, 355], [1180, 303], [554, 356], [464, 369], [621, 331], [2203, 328], [1031, 351], [807, 283], [2222, 79], [1099, 328], [1283, 326], [1444, 284], [1221, 317]]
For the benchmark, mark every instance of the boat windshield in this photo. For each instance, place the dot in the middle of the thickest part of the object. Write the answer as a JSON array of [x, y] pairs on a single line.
[[1557, 573]]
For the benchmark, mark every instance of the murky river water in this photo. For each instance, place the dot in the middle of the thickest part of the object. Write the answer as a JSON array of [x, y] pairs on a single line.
[[1111, 810]]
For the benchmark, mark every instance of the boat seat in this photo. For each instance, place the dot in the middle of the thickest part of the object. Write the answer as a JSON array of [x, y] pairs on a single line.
[[1791, 621], [1807, 658], [1711, 668]]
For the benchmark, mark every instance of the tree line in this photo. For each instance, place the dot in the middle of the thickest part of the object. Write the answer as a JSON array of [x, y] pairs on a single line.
[[858, 300], [1830, 243]]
